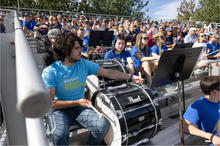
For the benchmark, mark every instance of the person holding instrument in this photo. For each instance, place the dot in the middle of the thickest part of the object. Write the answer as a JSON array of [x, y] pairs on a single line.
[[141, 57], [65, 80], [201, 116]]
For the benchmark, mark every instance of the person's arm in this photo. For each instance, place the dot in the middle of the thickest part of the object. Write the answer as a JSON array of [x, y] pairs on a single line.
[[150, 58], [117, 75], [130, 65], [188, 127], [60, 104]]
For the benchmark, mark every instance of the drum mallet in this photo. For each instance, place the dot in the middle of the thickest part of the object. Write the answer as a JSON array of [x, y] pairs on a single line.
[[100, 114], [139, 74]]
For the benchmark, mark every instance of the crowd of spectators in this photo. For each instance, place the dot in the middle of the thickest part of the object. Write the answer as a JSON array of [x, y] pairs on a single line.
[[202, 35]]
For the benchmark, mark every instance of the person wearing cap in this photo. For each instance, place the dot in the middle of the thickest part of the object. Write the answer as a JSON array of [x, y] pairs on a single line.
[[169, 38], [191, 36], [201, 116], [28, 25], [65, 80], [41, 28], [49, 44], [87, 28]]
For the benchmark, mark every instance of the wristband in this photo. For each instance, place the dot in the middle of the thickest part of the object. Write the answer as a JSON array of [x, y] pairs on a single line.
[[130, 78]]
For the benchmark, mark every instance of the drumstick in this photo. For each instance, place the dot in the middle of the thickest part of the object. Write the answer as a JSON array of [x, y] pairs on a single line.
[[139, 74], [100, 114]]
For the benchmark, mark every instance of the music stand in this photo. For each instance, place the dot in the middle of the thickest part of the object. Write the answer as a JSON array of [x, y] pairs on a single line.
[[183, 45], [100, 38], [176, 66]]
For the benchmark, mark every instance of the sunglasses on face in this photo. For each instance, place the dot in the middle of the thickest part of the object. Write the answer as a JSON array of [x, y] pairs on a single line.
[[145, 38]]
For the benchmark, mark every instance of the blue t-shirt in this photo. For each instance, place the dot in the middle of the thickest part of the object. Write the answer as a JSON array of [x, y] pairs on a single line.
[[136, 62], [212, 47], [30, 25], [85, 44], [155, 49], [113, 55], [204, 114], [42, 31], [169, 40], [69, 82]]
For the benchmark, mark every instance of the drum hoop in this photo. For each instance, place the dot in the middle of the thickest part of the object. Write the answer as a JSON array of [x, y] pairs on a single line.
[[122, 114], [120, 65], [155, 109]]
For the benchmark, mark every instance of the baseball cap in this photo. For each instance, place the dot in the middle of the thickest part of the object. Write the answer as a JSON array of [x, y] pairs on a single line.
[[26, 14], [192, 29], [168, 29], [53, 33]]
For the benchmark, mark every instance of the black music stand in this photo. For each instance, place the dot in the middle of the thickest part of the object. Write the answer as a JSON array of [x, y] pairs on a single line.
[[176, 66], [100, 38], [183, 45]]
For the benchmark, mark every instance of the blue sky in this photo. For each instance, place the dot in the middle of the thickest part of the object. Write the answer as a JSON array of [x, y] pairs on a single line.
[[164, 9]]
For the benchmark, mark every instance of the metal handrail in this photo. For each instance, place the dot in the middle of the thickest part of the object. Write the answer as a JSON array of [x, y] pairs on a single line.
[[33, 98], [36, 132], [67, 12]]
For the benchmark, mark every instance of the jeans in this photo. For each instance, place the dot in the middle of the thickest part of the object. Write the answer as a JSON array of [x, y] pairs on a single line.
[[85, 117]]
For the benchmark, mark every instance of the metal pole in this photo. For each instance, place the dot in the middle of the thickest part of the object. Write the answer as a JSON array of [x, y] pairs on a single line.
[[180, 114], [18, 2], [33, 98]]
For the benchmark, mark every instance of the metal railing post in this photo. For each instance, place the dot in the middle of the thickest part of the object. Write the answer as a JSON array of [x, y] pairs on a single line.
[[33, 98]]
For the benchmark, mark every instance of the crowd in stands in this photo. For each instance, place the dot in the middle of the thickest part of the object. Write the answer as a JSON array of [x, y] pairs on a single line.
[[138, 44], [157, 36]]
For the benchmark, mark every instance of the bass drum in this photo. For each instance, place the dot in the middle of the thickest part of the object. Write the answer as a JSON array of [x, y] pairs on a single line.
[[133, 114], [111, 64]]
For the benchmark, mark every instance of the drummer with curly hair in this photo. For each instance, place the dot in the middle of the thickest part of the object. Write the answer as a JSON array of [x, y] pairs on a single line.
[[65, 80]]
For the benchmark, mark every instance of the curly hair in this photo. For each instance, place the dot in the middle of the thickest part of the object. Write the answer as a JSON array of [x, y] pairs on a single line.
[[64, 43]]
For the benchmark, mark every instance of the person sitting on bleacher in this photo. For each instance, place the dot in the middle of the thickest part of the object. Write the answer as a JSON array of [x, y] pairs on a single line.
[[41, 28], [28, 25], [119, 52], [49, 44], [55, 23], [191, 36], [159, 46], [80, 34], [201, 116], [141, 57], [212, 49], [65, 80], [169, 38]]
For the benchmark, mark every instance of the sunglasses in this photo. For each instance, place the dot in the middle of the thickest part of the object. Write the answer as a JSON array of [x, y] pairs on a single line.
[[145, 38]]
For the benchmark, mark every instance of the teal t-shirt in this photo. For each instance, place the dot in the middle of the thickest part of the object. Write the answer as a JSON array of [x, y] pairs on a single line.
[[69, 82]]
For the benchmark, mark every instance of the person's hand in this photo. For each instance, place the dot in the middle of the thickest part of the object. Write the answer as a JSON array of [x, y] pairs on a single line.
[[137, 79], [216, 140], [84, 103]]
